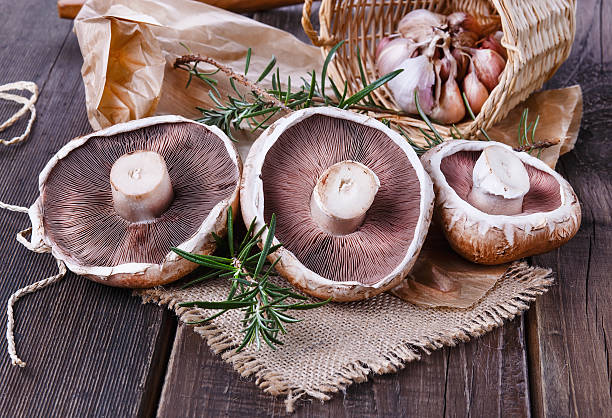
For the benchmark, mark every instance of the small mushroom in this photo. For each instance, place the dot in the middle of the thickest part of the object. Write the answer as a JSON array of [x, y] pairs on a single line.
[[497, 205], [352, 201], [113, 203]]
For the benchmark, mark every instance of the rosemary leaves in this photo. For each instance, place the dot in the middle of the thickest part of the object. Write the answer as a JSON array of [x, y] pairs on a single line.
[[263, 303]]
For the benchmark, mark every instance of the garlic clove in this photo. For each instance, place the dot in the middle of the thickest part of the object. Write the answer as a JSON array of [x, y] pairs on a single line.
[[419, 24], [500, 181], [475, 92], [493, 42], [450, 109], [462, 62], [488, 65], [444, 65], [418, 75], [390, 53], [382, 45]]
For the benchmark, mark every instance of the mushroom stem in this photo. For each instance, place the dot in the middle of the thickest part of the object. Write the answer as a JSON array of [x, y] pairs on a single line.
[[500, 181], [342, 196], [141, 186]]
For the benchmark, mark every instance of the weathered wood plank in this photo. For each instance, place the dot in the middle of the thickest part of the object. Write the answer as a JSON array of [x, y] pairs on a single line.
[[90, 349], [486, 377], [569, 337]]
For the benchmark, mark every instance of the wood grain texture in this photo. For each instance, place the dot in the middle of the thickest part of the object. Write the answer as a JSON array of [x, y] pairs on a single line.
[[91, 350], [569, 328], [486, 377]]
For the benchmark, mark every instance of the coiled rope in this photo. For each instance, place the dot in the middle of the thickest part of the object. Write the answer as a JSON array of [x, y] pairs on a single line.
[[27, 106]]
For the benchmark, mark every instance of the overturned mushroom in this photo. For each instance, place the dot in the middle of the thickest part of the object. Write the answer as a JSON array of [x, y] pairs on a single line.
[[113, 203], [352, 201], [497, 205]]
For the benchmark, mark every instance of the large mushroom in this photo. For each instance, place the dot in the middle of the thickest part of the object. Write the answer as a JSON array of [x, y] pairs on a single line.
[[113, 203], [352, 201], [497, 205]]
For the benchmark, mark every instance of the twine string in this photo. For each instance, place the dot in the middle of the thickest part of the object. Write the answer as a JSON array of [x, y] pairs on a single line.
[[10, 323], [27, 105]]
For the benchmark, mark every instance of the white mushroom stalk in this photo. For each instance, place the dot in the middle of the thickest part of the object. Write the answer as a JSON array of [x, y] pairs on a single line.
[[141, 186], [500, 181], [342, 196]]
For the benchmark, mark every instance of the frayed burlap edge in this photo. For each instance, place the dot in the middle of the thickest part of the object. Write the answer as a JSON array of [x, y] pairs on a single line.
[[536, 279]]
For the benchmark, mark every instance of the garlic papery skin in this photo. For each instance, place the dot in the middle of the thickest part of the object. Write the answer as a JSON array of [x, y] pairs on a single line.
[[418, 75], [391, 53], [475, 92], [140, 186], [461, 21], [500, 181], [488, 65], [419, 24], [342, 196]]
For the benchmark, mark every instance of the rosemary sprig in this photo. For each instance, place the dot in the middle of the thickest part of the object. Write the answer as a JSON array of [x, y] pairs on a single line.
[[256, 108], [264, 304]]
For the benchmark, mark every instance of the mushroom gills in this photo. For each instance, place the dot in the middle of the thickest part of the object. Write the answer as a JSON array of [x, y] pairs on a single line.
[[342, 196], [141, 186], [500, 181]]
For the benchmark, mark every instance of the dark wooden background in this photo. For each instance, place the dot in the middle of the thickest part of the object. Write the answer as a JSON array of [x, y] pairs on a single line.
[[97, 351]]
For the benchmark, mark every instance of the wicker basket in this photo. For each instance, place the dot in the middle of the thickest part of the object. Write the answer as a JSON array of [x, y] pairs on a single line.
[[538, 36]]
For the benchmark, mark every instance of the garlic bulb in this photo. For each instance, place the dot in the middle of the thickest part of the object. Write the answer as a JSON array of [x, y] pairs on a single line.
[[418, 75], [488, 65], [419, 24], [390, 54], [475, 92], [435, 52]]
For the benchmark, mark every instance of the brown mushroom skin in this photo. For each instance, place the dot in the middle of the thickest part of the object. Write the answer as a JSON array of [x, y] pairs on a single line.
[[493, 248], [496, 243]]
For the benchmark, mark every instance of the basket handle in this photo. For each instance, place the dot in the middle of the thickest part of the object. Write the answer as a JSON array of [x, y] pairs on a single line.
[[310, 31]]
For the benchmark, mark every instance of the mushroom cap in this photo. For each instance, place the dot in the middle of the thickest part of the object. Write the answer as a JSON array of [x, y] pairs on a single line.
[[280, 174], [550, 214], [74, 217]]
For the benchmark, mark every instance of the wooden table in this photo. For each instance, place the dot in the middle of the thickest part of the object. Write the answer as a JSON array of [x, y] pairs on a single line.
[[97, 351]]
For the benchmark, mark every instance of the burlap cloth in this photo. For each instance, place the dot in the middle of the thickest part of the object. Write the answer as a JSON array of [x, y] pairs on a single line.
[[343, 343]]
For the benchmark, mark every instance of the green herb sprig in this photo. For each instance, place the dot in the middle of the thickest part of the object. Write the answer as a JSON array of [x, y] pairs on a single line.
[[259, 106], [264, 304]]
